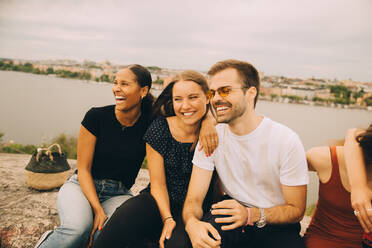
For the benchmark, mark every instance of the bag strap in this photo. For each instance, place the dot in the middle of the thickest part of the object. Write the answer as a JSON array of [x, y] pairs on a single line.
[[48, 151], [58, 146], [40, 151]]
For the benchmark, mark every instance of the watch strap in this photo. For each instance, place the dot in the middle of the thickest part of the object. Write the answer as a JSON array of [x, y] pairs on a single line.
[[262, 221]]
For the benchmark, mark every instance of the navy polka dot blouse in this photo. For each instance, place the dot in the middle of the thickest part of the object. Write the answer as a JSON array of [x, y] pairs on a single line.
[[177, 161]]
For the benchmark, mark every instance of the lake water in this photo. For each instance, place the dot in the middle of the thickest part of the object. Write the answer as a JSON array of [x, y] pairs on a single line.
[[36, 108]]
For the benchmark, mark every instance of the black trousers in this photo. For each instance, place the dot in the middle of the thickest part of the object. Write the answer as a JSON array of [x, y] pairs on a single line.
[[137, 223], [252, 237], [286, 235]]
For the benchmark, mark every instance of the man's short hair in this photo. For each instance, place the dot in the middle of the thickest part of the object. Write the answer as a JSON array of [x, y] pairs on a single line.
[[248, 74]]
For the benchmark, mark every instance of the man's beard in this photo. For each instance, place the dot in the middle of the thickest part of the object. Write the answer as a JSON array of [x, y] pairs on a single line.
[[235, 112]]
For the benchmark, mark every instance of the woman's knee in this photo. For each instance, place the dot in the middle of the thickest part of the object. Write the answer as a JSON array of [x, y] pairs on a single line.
[[74, 210], [77, 227], [136, 219], [180, 239], [70, 193]]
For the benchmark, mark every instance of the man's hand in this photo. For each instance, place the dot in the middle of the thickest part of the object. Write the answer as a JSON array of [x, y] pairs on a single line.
[[361, 203], [168, 227], [237, 214], [99, 220], [198, 232]]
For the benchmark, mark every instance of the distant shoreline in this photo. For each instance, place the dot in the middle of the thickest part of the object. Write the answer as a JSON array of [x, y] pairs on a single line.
[[159, 88], [318, 104]]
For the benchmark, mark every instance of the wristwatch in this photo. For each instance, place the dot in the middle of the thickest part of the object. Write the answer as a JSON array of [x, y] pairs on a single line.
[[262, 221]]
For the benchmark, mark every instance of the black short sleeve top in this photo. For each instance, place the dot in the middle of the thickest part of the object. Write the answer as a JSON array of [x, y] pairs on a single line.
[[177, 160], [119, 151]]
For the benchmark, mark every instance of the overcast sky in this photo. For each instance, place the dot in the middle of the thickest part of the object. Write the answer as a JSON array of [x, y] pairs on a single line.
[[321, 38]]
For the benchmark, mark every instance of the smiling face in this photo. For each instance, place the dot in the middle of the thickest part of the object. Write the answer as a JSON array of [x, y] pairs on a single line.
[[189, 101], [234, 104], [127, 91]]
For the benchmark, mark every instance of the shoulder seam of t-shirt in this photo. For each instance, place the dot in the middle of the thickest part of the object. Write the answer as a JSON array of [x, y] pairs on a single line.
[[264, 123]]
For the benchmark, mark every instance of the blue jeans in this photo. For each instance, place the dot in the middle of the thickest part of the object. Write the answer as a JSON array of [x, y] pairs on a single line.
[[76, 214]]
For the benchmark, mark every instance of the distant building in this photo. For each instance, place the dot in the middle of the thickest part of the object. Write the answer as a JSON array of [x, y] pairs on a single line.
[[41, 67], [304, 91], [268, 91], [324, 93]]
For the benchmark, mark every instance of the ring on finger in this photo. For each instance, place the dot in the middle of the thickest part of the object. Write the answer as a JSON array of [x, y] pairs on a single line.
[[356, 212]]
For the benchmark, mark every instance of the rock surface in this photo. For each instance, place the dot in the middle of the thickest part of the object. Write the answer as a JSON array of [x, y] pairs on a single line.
[[26, 213]]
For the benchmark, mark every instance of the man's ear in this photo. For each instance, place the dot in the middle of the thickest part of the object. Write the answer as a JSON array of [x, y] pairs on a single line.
[[252, 92]]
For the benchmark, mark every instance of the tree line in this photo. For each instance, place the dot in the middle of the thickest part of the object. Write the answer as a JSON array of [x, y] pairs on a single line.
[[29, 68]]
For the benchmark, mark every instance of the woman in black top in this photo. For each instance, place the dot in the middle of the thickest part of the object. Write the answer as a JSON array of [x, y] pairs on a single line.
[[110, 154], [170, 142]]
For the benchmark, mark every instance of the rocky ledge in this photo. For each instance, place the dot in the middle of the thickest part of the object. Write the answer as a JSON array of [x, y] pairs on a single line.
[[26, 213]]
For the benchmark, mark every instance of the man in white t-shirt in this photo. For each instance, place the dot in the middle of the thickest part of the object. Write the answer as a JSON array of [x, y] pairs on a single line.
[[261, 165]]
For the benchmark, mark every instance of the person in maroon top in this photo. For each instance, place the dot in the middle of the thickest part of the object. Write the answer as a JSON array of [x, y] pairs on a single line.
[[335, 223], [361, 193]]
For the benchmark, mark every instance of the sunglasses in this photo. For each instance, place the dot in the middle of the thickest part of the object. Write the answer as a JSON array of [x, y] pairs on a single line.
[[222, 91]]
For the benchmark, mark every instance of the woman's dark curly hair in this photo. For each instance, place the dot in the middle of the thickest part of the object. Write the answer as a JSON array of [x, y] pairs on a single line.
[[144, 79]]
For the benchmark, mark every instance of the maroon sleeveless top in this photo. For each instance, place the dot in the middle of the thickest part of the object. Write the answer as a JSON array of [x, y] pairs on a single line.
[[334, 223]]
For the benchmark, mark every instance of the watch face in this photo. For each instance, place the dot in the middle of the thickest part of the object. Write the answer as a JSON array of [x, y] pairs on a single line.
[[262, 221]]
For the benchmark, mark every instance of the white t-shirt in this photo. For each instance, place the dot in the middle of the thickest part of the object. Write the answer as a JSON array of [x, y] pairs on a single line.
[[253, 167]]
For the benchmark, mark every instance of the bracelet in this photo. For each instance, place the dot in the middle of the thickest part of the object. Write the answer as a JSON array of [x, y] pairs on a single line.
[[169, 217], [249, 223]]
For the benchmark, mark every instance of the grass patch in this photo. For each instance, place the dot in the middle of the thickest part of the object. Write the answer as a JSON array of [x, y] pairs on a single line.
[[18, 148], [68, 145], [310, 210], [144, 164]]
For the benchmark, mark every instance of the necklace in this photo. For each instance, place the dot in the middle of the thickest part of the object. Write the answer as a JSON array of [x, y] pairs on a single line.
[[129, 124]]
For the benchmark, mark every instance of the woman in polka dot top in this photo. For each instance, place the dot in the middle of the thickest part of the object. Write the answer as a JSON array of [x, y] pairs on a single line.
[[170, 143]]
